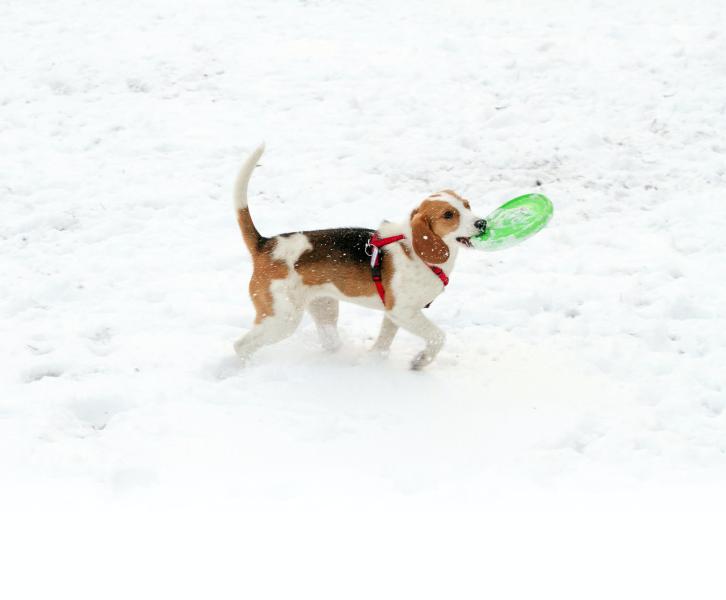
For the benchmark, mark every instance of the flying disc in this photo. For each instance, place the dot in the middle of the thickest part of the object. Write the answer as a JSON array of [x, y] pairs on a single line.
[[514, 222]]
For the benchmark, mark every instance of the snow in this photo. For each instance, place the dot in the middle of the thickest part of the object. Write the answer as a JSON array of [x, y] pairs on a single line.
[[583, 368]]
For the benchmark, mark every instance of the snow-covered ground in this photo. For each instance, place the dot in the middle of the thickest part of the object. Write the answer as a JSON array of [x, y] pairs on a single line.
[[588, 362]]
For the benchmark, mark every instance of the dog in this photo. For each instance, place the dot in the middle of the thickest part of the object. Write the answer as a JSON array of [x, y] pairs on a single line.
[[399, 269]]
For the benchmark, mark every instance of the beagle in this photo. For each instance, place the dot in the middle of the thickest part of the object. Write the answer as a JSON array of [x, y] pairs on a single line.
[[399, 269]]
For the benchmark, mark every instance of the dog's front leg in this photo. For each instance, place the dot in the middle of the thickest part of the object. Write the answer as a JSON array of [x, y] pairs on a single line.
[[414, 321], [385, 337]]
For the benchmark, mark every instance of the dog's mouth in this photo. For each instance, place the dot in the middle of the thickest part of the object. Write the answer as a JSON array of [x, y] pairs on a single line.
[[464, 241]]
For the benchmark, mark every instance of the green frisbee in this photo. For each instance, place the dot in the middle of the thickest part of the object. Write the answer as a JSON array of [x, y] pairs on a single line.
[[514, 222]]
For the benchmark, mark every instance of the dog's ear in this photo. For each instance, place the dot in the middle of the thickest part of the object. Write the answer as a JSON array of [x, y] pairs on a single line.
[[429, 246]]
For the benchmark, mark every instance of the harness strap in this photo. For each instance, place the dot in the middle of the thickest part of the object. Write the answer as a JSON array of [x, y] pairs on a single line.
[[380, 242], [376, 244], [440, 274]]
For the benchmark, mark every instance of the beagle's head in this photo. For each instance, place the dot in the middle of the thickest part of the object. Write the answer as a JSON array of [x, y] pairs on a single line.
[[439, 223]]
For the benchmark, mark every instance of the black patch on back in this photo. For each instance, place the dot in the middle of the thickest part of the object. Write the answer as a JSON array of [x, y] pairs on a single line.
[[342, 245]]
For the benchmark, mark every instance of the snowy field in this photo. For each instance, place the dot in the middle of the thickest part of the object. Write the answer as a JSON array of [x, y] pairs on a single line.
[[584, 368]]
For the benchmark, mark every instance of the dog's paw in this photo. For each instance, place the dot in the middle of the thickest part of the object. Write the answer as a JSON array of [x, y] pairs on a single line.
[[225, 368], [377, 350], [422, 359], [329, 338], [331, 346], [242, 353]]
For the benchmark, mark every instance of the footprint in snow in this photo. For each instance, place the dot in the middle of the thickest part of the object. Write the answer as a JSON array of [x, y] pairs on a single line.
[[38, 372]]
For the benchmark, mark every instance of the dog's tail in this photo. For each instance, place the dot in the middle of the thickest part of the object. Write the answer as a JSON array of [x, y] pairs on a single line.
[[250, 234]]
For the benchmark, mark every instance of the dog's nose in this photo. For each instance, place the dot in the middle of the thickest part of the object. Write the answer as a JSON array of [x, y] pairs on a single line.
[[481, 225]]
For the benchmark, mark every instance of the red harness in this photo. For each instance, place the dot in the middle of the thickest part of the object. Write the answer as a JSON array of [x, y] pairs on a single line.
[[376, 253]]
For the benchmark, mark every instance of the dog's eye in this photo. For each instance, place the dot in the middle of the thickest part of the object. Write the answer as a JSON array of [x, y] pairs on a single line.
[[449, 214]]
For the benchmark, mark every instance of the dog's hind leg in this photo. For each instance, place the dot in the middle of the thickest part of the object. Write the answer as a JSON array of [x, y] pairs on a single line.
[[279, 312], [268, 330], [324, 312], [385, 337]]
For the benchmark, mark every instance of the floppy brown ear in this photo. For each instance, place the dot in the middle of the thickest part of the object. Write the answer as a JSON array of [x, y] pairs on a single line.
[[429, 246]]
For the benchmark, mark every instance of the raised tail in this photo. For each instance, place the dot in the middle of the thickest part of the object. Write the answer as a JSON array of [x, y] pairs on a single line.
[[250, 234]]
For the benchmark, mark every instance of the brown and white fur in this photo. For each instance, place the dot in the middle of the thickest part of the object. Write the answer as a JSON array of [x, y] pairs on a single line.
[[314, 270]]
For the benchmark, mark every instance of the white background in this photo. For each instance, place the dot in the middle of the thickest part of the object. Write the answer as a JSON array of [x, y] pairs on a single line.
[[570, 440]]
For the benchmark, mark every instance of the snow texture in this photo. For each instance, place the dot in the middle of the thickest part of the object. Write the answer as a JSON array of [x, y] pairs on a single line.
[[588, 360]]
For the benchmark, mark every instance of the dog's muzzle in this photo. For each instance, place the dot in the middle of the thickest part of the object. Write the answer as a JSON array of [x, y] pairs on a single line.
[[481, 225]]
